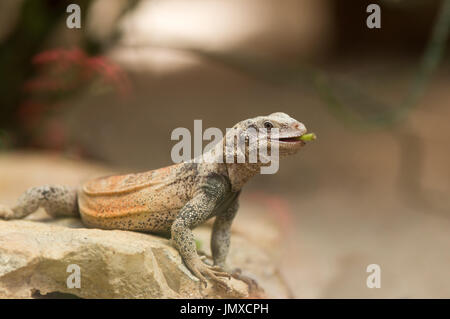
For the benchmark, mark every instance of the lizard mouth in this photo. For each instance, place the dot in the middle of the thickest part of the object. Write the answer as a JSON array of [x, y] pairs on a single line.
[[291, 139]]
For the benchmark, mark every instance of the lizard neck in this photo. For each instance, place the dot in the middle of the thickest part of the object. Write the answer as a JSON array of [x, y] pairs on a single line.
[[240, 173]]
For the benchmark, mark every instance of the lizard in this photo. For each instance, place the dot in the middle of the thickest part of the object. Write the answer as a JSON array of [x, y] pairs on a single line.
[[171, 200]]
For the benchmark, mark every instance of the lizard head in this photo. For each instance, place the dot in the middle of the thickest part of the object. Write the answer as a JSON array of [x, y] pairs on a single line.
[[289, 131], [261, 131], [260, 143]]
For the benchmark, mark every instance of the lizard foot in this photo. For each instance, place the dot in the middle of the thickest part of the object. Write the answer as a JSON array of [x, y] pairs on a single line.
[[252, 284], [204, 255], [6, 212], [215, 273]]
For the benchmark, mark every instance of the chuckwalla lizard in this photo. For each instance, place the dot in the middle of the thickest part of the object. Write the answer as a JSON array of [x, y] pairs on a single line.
[[171, 200]]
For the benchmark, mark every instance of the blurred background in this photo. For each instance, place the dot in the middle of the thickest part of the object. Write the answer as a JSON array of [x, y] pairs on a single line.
[[373, 189]]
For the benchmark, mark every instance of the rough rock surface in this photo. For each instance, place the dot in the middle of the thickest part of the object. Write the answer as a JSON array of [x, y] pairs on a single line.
[[34, 257], [35, 254]]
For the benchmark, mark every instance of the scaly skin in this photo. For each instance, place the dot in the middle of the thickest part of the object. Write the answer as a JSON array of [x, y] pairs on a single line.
[[171, 200]]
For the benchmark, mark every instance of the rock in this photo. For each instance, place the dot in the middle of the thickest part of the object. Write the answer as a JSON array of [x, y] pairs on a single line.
[[35, 253], [34, 258]]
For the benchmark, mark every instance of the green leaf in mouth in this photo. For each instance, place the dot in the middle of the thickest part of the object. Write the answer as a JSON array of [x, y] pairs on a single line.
[[308, 137]]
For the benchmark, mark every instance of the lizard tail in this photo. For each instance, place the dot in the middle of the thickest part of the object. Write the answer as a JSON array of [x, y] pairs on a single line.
[[57, 200]]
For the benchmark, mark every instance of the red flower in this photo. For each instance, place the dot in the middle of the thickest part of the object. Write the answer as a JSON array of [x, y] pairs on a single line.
[[63, 72], [66, 70]]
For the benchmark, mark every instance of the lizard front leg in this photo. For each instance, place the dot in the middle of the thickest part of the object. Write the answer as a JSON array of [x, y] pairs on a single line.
[[220, 243], [195, 212], [221, 233]]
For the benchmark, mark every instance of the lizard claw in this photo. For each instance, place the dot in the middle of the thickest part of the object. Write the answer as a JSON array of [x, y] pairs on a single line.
[[251, 283], [214, 273]]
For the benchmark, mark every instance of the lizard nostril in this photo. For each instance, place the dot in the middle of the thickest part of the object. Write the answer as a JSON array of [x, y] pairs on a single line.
[[300, 127]]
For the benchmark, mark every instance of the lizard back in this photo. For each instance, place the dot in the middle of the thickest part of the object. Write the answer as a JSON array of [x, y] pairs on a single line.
[[148, 200], [111, 185]]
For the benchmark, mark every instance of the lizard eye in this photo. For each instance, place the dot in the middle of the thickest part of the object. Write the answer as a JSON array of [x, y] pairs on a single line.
[[268, 125]]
